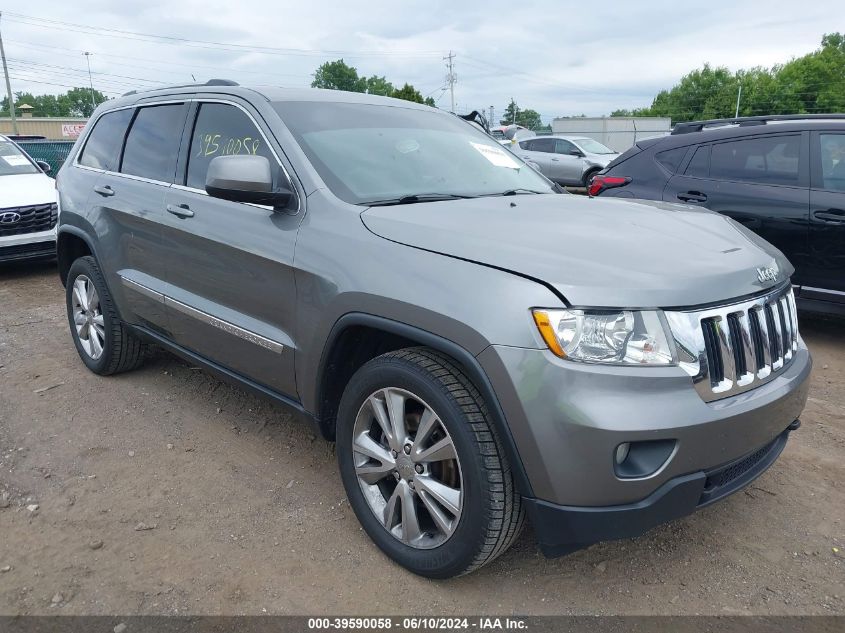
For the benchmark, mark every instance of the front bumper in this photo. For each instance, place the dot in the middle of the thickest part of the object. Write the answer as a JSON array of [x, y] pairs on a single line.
[[563, 529], [40, 245]]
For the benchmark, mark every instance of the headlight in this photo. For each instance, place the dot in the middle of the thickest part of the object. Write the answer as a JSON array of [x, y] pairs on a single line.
[[600, 336]]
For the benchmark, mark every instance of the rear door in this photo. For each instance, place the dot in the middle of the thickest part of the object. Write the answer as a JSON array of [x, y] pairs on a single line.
[[230, 264], [566, 165], [130, 196], [540, 151], [825, 277], [761, 182]]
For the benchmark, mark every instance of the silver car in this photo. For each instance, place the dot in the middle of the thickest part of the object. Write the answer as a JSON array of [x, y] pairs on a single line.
[[567, 160]]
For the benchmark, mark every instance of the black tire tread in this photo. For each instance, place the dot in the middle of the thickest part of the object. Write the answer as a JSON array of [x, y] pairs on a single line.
[[507, 515], [127, 351]]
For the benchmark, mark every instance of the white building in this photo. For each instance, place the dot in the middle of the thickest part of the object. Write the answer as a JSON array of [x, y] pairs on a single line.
[[618, 133]]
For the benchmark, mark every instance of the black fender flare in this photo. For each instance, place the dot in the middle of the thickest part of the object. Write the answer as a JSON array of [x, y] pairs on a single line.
[[468, 362]]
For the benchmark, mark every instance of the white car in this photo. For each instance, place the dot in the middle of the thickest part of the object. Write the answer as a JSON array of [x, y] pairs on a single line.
[[28, 208], [566, 160]]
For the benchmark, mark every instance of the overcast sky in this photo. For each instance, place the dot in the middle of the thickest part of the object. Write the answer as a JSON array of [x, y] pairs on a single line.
[[559, 58]]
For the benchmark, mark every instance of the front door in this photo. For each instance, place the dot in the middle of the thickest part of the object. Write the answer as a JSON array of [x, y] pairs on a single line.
[[230, 265]]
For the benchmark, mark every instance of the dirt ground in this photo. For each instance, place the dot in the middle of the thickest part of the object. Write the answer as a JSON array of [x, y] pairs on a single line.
[[165, 491]]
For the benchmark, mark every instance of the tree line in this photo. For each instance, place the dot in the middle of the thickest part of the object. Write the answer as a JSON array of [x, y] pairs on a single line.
[[811, 84], [338, 75], [73, 103]]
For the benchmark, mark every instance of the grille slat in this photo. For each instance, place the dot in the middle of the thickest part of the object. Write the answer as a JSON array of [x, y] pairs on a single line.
[[33, 219], [731, 349]]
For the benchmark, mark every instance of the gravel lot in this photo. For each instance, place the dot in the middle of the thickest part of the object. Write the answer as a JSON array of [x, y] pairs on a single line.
[[165, 491]]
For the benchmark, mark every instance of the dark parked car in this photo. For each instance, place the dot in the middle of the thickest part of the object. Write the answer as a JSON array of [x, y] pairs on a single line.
[[782, 176]]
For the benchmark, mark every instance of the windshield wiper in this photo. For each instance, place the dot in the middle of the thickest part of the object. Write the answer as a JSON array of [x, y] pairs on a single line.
[[414, 198], [513, 192]]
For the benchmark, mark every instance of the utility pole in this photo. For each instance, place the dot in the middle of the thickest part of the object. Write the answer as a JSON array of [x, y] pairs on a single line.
[[90, 81], [513, 103], [8, 85], [738, 95], [451, 78], [490, 122]]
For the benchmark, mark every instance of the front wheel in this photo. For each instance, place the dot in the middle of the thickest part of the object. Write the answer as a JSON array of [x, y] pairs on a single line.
[[422, 466]]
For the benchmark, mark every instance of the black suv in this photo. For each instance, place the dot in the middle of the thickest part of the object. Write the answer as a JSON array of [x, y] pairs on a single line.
[[783, 177]]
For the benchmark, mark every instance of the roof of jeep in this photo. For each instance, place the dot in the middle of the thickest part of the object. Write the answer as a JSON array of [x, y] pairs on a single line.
[[266, 93]]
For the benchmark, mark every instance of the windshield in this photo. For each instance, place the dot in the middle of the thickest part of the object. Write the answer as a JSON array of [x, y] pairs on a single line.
[[372, 153], [13, 161], [593, 147]]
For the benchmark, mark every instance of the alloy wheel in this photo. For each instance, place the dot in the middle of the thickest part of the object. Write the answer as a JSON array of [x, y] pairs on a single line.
[[88, 317], [408, 468]]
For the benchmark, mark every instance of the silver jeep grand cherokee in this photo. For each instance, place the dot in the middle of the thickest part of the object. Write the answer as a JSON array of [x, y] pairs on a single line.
[[481, 347]]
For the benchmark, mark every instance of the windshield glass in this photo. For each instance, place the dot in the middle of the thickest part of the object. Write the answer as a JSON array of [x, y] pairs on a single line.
[[593, 147], [14, 161], [372, 153]]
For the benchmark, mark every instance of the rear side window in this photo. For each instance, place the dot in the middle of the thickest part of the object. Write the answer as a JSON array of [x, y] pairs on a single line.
[[699, 165], [153, 142], [223, 130], [562, 146], [543, 145], [102, 149], [768, 160], [833, 161], [671, 159]]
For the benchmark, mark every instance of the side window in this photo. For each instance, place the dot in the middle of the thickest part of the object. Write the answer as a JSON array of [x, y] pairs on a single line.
[[563, 146], [223, 130], [699, 165], [102, 149], [153, 142], [770, 160], [670, 159], [833, 161], [543, 145], [525, 145]]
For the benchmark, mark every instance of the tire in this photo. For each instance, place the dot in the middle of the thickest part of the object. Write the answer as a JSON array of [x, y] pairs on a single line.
[[490, 512], [103, 342], [588, 177]]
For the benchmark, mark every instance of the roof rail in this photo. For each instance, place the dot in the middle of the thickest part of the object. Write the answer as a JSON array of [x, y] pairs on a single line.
[[697, 126], [210, 82]]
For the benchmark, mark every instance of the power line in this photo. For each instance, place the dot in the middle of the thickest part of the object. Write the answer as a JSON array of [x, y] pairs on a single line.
[[169, 39]]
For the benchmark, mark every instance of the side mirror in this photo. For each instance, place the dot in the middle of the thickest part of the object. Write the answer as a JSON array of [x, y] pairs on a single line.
[[244, 178], [44, 166], [576, 152]]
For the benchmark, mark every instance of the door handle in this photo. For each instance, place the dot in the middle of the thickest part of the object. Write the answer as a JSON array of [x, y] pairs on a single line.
[[104, 190], [181, 211], [832, 216], [555, 160], [692, 196]]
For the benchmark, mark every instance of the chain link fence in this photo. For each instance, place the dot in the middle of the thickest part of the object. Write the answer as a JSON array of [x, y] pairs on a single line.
[[52, 152]]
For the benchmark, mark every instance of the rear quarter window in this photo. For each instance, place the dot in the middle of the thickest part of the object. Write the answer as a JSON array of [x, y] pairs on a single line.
[[671, 159], [102, 149]]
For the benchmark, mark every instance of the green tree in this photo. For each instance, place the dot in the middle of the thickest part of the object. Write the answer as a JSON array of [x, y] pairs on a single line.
[[78, 101], [75, 103], [379, 86], [429, 101], [338, 75], [526, 118], [509, 117], [408, 93], [813, 83]]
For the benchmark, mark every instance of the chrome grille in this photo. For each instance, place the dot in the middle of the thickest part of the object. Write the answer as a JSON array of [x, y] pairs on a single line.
[[32, 219], [733, 348]]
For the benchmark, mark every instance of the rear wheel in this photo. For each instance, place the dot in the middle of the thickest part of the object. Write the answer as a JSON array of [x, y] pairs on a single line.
[[104, 343], [588, 177], [422, 466]]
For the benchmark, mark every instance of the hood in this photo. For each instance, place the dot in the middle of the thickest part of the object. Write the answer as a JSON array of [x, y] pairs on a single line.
[[19, 190], [601, 159], [599, 252]]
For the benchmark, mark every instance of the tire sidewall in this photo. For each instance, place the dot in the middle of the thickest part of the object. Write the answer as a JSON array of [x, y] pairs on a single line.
[[86, 266], [458, 552]]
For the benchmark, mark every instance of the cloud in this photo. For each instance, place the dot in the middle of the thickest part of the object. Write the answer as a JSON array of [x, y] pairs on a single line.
[[559, 58]]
